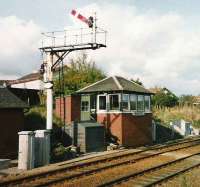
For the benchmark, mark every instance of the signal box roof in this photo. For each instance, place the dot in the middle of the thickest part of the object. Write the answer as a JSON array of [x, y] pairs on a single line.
[[114, 84], [9, 100]]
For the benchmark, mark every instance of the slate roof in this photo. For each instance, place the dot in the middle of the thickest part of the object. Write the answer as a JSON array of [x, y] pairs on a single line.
[[114, 83], [24, 79], [9, 100], [31, 76]]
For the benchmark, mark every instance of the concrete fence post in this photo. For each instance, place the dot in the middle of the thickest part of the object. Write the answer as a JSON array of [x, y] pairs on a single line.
[[74, 133], [153, 131], [42, 147], [26, 154]]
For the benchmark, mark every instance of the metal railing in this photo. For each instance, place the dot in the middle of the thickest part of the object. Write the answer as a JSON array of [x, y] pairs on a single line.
[[74, 37]]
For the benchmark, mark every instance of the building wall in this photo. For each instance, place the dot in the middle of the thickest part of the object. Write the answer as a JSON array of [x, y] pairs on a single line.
[[12, 121], [75, 108], [59, 108], [127, 129], [113, 124], [136, 130], [130, 130], [72, 108]]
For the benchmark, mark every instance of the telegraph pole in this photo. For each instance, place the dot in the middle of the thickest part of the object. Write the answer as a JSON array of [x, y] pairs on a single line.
[[49, 91]]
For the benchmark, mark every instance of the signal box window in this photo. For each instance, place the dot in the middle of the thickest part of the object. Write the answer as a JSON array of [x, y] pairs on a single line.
[[114, 102], [102, 102], [133, 102], [125, 101], [84, 106], [147, 103], [140, 103]]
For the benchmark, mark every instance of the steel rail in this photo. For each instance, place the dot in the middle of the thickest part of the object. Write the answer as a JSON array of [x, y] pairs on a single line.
[[136, 174], [19, 179], [170, 176], [99, 169]]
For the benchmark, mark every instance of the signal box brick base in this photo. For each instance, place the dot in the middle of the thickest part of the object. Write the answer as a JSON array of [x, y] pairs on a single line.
[[129, 130]]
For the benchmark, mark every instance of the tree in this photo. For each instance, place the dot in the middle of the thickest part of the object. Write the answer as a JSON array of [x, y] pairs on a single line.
[[186, 99], [164, 98], [138, 81], [81, 72]]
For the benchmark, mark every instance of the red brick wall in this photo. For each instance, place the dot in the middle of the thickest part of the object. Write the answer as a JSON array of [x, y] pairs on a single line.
[[113, 123], [59, 108], [72, 108], [130, 130], [76, 108], [136, 130], [11, 122]]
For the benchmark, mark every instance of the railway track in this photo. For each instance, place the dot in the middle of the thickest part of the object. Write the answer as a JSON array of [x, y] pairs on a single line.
[[91, 166], [157, 174]]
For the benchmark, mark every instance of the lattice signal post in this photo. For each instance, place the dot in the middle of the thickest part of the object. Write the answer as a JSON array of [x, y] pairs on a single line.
[[57, 45]]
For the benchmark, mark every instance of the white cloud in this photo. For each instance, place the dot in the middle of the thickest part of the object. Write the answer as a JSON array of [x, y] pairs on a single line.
[[19, 46], [157, 48]]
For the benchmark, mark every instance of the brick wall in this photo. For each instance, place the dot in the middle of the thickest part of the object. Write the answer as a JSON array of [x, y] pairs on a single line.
[[76, 108], [59, 107], [130, 130], [136, 130], [113, 124], [12, 121], [72, 108]]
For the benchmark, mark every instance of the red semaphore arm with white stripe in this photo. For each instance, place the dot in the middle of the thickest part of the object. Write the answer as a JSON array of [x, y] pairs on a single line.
[[89, 21]]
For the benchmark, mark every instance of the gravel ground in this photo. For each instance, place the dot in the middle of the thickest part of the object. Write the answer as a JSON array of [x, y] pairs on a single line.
[[107, 175], [101, 177], [188, 179]]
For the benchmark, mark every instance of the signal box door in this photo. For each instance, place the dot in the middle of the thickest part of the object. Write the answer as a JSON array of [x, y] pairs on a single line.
[[85, 108]]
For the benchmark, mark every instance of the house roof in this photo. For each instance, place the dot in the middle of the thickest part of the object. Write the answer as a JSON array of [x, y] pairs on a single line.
[[114, 83], [28, 78], [31, 76], [196, 99], [24, 79], [9, 100]]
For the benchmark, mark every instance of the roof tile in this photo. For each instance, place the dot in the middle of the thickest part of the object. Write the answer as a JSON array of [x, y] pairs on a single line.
[[112, 84], [9, 100]]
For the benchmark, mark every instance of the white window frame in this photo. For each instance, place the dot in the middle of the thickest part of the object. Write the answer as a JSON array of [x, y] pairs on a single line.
[[88, 108], [143, 104], [125, 110], [147, 110], [119, 99], [135, 101], [82, 100], [99, 110]]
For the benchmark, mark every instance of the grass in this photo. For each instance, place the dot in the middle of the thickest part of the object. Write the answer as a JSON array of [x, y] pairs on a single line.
[[35, 119], [187, 113]]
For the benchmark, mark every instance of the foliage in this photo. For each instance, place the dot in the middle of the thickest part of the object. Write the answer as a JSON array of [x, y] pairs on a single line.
[[186, 99], [164, 98], [138, 81], [35, 119], [81, 72], [187, 113], [60, 153]]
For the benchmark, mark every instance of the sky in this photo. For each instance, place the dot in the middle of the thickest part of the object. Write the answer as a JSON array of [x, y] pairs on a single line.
[[154, 40]]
